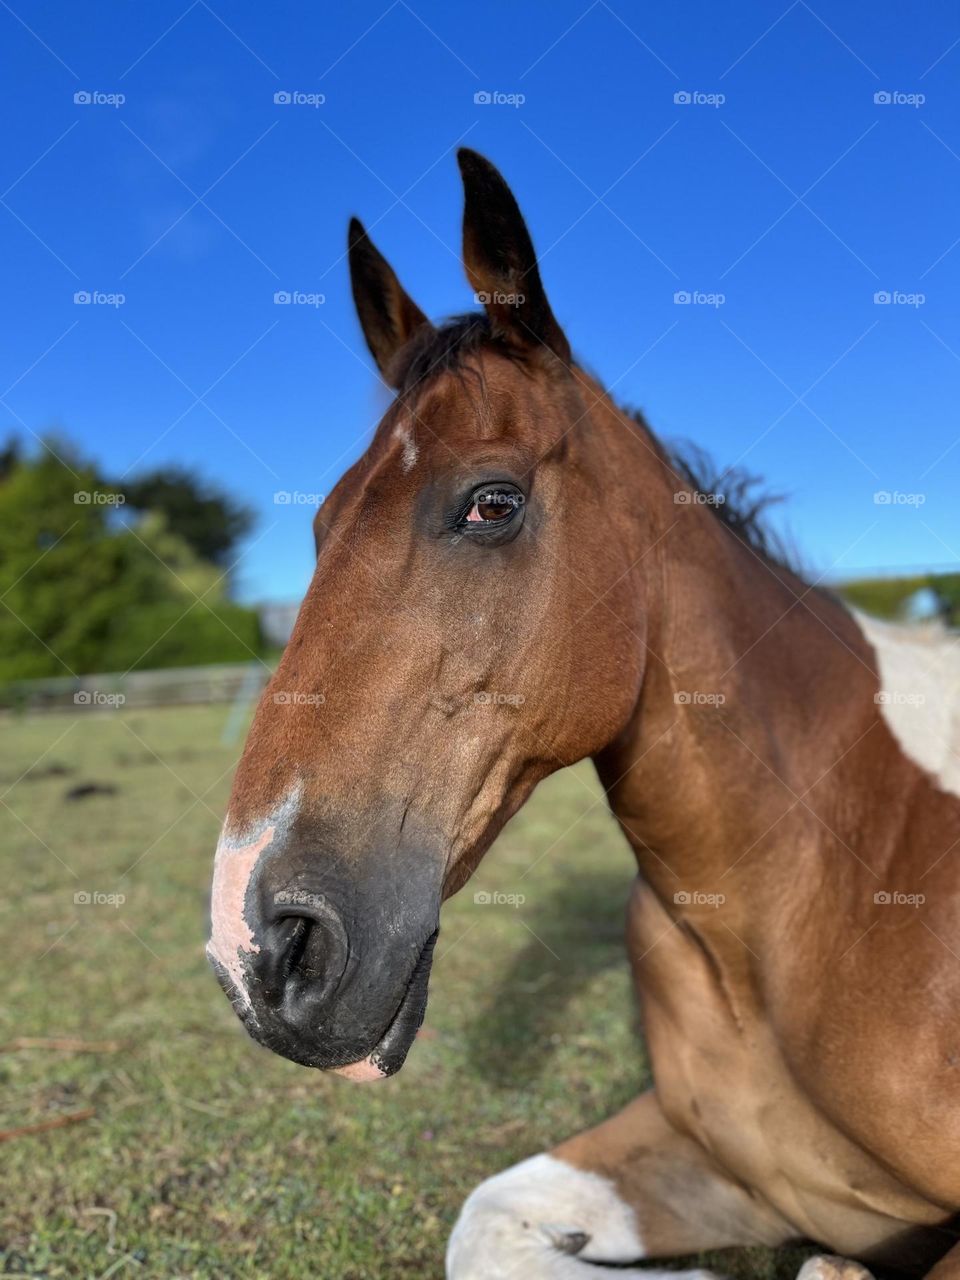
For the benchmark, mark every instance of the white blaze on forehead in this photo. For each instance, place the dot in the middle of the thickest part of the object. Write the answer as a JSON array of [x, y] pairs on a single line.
[[404, 434], [919, 673]]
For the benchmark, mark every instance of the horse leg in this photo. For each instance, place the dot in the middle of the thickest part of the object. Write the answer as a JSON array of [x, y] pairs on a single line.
[[629, 1189], [823, 1267]]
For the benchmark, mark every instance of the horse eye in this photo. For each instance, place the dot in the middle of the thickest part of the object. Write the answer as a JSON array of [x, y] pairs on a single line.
[[493, 506]]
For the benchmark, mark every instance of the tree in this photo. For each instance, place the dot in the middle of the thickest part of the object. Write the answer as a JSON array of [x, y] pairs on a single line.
[[81, 592], [205, 517]]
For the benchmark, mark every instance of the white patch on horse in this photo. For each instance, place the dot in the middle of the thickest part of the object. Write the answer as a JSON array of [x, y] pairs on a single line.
[[543, 1218], [237, 855], [404, 434], [919, 673]]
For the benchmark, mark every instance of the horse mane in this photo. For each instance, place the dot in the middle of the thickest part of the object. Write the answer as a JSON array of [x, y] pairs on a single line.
[[733, 494]]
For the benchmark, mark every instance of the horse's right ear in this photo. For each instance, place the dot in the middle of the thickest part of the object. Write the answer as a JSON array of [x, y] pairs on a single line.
[[388, 315]]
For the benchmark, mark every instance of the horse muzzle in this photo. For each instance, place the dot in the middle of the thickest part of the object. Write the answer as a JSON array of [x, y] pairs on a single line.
[[326, 960]]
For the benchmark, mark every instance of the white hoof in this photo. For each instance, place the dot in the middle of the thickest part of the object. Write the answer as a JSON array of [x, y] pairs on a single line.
[[544, 1219], [831, 1268]]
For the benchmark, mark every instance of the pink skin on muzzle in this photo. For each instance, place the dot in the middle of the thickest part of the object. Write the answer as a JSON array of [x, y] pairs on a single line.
[[230, 934]]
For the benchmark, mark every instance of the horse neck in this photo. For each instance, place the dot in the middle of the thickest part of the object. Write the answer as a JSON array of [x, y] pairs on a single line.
[[754, 685]]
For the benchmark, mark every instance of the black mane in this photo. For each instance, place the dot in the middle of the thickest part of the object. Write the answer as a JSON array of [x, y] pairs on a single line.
[[733, 494]]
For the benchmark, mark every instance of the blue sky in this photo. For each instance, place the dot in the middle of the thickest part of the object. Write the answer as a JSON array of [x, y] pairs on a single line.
[[783, 185]]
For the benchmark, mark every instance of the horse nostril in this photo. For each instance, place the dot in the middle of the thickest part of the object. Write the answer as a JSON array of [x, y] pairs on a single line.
[[301, 960], [297, 946]]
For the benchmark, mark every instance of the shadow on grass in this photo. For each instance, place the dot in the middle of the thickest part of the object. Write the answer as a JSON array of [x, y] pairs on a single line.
[[575, 933]]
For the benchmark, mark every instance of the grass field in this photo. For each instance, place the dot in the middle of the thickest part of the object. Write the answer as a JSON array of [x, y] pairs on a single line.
[[208, 1156]]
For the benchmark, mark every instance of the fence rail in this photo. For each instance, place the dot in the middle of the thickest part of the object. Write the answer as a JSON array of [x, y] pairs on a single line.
[[234, 682]]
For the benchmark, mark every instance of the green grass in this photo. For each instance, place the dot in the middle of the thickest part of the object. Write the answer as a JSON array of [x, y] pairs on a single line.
[[208, 1156]]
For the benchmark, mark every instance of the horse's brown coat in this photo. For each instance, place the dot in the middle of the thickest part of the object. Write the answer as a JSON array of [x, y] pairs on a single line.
[[804, 1035]]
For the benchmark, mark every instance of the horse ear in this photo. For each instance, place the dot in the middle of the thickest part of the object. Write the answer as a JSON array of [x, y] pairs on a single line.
[[500, 261], [388, 315]]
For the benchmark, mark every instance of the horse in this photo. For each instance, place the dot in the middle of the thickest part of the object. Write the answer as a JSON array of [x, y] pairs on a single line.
[[785, 771]]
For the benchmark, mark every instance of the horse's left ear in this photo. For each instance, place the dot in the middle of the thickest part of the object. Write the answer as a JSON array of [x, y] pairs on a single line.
[[388, 315], [500, 262]]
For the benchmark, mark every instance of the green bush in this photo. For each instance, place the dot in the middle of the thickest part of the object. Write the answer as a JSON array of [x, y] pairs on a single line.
[[181, 634]]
